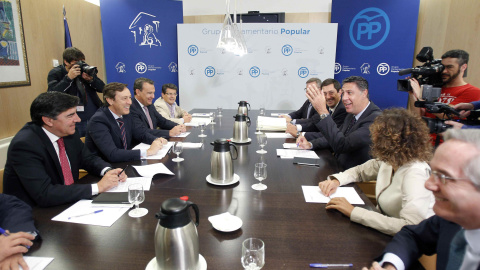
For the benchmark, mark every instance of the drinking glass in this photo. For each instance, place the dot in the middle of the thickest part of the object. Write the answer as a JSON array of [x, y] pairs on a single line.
[[136, 195], [258, 131], [262, 141], [260, 174], [253, 254], [219, 111], [202, 126], [177, 149], [212, 118], [262, 111]]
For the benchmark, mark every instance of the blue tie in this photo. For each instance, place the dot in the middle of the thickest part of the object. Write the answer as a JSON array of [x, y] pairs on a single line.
[[457, 250]]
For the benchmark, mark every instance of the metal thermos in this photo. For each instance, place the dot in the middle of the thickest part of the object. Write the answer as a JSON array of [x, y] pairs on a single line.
[[176, 236], [240, 128], [242, 107], [221, 162]]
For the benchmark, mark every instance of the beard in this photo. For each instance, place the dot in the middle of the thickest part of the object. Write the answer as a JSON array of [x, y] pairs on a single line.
[[451, 78]]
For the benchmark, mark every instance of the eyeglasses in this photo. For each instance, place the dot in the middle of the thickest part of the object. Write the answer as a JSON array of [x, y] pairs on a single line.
[[442, 178], [171, 94]]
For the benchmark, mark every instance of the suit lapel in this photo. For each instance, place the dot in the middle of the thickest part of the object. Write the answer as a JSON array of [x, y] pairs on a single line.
[[139, 108], [50, 149], [113, 123]]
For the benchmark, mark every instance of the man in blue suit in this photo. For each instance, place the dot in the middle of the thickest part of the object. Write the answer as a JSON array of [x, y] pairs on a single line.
[[144, 114], [454, 232], [112, 129]]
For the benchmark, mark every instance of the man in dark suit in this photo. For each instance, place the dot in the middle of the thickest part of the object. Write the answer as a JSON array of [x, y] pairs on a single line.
[[351, 141], [333, 97], [44, 157], [306, 111], [112, 129], [144, 113], [454, 232]]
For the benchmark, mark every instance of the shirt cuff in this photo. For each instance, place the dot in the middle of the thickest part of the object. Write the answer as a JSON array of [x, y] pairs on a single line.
[[143, 153], [293, 121], [94, 189], [393, 259], [102, 173], [182, 121], [299, 127]]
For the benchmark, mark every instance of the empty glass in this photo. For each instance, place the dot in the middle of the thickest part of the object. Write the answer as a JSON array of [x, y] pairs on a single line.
[[219, 111], [136, 195], [177, 149], [253, 254], [262, 111], [202, 126], [262, 141], [212, 118], [257, 131], [260, 174]]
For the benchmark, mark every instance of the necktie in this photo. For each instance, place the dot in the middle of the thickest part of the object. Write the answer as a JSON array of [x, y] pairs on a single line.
[[354, 120], [122, 131], [67, 172], [172, 111], [330, 111], [309, 110], [148, 117], [457, 250]]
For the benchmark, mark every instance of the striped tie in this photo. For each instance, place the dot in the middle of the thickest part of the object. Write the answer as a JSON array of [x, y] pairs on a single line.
[[122, 131]]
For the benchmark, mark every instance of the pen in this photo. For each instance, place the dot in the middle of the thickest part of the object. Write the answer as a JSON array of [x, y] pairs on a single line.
[[323, 265], [98, 211], [2, 231], [122, 171]]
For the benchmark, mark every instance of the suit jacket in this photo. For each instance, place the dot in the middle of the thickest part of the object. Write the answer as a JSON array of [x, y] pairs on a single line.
[[302, 113], [33, 172], [308, 125], [159, 121], [353, 148], [431, 236], [104, 139], [15, 215], [163, 109]]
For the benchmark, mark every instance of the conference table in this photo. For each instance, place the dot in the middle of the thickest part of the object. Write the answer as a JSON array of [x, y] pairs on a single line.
[[295, 233]]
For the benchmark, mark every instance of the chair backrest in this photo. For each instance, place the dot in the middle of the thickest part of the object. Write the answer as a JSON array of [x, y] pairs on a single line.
[[1, 180], [429, 262], [82, 139]]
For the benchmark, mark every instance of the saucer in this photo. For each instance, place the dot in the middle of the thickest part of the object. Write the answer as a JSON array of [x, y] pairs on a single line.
[[236, 178], [152, 265], [248, 140], [226, 222]]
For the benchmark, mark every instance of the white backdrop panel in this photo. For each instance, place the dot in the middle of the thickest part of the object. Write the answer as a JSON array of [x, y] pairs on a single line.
[[285, 56]]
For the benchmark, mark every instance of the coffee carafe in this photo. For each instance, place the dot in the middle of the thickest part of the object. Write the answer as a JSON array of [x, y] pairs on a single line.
[[242, 107], [240, 128], [221, 162], [176, 236]]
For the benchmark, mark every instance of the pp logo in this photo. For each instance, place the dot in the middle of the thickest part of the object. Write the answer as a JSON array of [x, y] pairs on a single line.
[[303, 72], [254, 72], [140, 67], [383, 69], [192, 50], [287, 50], [209, 71], [369, 28], [338, 68]]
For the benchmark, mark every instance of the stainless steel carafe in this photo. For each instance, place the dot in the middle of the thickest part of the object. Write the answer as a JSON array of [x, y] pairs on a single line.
[[242, 107], [176, 236], [240, 128], [221, 162]]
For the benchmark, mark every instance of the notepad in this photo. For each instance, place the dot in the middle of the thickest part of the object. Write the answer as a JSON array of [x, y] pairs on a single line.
[[112, 197]]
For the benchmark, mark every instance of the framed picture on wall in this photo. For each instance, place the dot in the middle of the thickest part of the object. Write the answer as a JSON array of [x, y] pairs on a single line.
[[13, 54]]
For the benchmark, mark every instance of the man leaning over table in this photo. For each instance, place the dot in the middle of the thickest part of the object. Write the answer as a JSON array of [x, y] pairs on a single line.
[[111, 129], [44, 157], [454, 232], [168, 108]]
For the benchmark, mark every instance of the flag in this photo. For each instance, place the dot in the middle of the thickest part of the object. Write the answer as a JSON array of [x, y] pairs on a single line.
[[68, 40]]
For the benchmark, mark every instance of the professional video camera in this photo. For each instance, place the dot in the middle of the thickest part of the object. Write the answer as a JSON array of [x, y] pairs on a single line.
[[429, 73], [89, 70]]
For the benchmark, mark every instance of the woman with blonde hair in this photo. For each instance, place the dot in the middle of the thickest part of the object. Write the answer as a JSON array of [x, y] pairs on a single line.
[[401, 149]]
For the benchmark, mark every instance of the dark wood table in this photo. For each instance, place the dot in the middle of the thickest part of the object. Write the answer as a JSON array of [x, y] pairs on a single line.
[[295, 233]]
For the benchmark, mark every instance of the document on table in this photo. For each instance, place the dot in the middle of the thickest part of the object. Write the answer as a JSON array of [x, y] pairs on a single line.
[[291, 146], [182, 135], [271, 123], [152, 169], [314, 195], [291, 153], [196, 120], [37, 263], [123, 186], [201, 114], [83, 212], [160, 154], [191, 145], [275, 135], [278, 114]]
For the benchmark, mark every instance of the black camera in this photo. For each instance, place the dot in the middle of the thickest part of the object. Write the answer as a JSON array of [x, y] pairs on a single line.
[[85, 68], [429, 73]]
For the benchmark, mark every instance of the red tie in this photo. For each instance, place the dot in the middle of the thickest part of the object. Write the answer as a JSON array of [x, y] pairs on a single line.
[[67, 172]]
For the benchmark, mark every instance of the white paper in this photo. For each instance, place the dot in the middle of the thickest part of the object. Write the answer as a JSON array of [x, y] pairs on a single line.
[[291, 153], [196, 120], [152, 169], [123, 186], [37, 263], [291, 146], [191, 145], [160, 154], [282, 135], [105, 218], [314, 195], [277, 114], [271, 123], [182, 135], [201, 114]]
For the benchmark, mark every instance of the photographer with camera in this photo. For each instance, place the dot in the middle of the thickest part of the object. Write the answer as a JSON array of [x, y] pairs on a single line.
[[464, 109], [77, 78]]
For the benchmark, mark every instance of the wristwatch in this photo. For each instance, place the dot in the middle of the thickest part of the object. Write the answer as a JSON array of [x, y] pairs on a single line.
[[298, 133], [323, 116]]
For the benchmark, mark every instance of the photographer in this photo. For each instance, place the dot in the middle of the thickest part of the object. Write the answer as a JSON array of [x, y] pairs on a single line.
[[454, 90], [463, 113], [72, 79]]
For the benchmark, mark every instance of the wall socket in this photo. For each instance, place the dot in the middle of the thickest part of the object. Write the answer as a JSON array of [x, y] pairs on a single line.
[[55, 63]]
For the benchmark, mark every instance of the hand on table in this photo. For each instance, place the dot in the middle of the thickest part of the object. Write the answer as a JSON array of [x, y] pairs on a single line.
[[292, 130], [156, 145], [303, 143], [14, 244], [341, 204], [286, 116], [328, 187], [13, 262], [111, 179]]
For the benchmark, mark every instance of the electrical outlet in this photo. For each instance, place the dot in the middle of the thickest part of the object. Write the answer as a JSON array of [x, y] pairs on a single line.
[[55, 63]]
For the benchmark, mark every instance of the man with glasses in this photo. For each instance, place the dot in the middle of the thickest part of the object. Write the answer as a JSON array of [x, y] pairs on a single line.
[[454, 232], [167, 105]]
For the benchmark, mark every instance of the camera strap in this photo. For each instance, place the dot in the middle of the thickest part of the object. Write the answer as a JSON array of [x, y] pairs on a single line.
[[81, 91]]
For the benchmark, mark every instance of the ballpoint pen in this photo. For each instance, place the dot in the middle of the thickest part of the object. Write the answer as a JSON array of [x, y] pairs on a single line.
[[326, 265], [94, 212], [122, 171]]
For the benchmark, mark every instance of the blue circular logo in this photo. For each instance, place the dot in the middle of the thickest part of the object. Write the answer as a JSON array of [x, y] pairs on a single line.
[[338, 68], [254, 72], [140, 67], [192, 50], [209, 71], [369, 28], [287, 50], [383, 69], [303, 72]]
